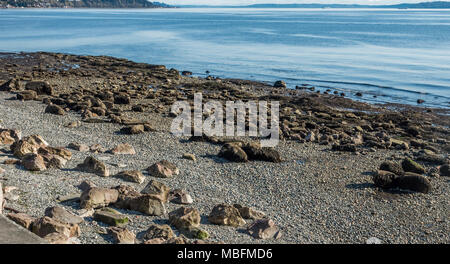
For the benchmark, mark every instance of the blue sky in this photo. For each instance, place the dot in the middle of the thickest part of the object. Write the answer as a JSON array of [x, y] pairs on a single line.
[[247, 2]]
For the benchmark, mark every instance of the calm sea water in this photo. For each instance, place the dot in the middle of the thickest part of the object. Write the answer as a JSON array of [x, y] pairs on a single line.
[[396, 55]]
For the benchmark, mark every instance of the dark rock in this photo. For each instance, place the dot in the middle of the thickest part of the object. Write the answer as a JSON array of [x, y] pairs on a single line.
[[54, 109], [279, 84], [194, 233], [8, 86], [344, 147], [431, 158], [40, 87], [186, 73], [254, 152], [413, 182], [445, 170], [411, 166], [233, 153], [392, 167], [133, 129], [137, 108], [122, 99], [86, 185], [384, 179]]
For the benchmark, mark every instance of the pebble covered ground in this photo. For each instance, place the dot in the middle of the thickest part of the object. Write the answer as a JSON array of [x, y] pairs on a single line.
[[314, 196]]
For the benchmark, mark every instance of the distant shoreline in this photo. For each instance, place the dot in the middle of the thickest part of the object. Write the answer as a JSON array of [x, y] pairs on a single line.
[[143, 4], [423, 5]]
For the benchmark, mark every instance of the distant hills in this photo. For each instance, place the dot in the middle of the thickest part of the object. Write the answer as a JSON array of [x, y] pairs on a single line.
[[423, 5], [81, 4]]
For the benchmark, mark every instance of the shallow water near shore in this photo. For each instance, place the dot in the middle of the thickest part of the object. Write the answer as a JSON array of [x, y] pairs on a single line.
[[398, 56]]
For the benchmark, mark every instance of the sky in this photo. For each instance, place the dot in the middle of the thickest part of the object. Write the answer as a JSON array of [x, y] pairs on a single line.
[[249, 2]]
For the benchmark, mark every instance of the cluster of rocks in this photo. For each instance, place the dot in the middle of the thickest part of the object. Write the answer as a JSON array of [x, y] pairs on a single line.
[[243, 152], [57, 226], [409, 174], [304, 117], [33, 152], [151, 201]]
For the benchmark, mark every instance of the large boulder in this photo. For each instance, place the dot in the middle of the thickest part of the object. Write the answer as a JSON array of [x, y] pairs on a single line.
[[46, 225], [29, 144], [264, 229], [62, 215], [132, 176], [98, 197], [184, 217], [159, 231], [224, 214], [92, 165], [163, 169], [9, 136], [22, 219], [384, 179], [33, 162], [414, 182], [111, 217], [122, 235], [40, 87], [158, 190], [145, 203], [54, 109]]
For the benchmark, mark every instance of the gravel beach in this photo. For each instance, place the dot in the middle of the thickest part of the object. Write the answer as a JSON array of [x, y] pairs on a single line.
[[315, 195]]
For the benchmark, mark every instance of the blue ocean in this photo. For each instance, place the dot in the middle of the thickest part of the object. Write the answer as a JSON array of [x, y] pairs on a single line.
[[391, 56]]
